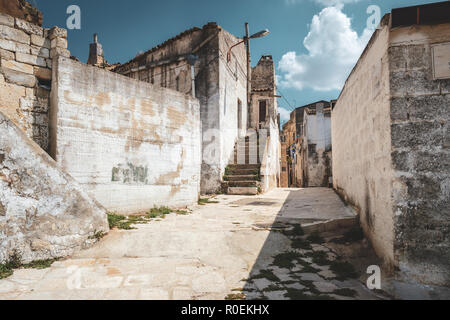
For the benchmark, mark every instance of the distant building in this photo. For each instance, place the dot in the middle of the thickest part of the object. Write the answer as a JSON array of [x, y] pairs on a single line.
[[306, 147]]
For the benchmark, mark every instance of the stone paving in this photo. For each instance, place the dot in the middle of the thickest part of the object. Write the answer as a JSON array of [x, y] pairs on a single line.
[[217, 251]]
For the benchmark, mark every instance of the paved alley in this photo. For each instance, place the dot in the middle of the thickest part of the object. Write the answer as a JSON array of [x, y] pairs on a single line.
[[240, 247]]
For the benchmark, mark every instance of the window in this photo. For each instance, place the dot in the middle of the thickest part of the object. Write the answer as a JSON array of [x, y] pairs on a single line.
[[262, 111]]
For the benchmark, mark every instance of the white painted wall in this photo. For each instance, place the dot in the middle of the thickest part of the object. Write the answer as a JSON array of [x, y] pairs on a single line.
[[132, 145]]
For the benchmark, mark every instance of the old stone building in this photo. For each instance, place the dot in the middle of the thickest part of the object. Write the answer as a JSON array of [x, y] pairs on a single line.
[[196, 62], [306, 141], [391, 139]]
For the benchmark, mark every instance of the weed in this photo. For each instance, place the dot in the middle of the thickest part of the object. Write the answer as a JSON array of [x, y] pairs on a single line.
[[182, 212], [39, 264], [160, 212], [316, 238], [343, 270], [124, 223], [237, 296], [346, 292], [98, 235], [204, 201], [285, 260]]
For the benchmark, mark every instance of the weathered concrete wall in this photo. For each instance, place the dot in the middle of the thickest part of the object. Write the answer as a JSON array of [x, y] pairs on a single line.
[[26, 52], [420, 112], [361, 135], [44, 213], [131, 144], [218, 85]]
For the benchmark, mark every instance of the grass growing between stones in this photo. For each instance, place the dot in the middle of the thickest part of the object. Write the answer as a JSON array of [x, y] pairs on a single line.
[[160, 212], [14, 262], [236, 296], [296, 294], [204, 201], [297, 231], [124, 223], [300, 243], [320, 258]]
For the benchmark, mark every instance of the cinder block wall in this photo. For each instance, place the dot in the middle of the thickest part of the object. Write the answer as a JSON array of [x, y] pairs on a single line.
[[131, 144], [390, 143], [26, 52], [420, 112], [361, 139]]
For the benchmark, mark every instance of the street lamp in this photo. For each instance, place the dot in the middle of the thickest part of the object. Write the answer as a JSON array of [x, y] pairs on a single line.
[[259, 34]]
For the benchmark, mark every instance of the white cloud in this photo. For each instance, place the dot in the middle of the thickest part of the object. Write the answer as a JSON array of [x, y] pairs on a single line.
[[285, 115], [333, 49], [325, 3]]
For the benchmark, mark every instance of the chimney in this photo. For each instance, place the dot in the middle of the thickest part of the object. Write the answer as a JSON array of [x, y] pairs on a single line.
[[96, 56]]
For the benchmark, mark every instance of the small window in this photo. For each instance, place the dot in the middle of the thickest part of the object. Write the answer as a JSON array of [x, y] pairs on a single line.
[[262, 111]]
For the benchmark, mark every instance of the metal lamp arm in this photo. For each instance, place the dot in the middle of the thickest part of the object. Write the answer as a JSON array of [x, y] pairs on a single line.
[[231, 48]]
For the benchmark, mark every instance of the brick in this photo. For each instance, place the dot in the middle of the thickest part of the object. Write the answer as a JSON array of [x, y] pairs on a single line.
[[6, 55], [59, 42], [43, 73], [40, 41], [28, 27], [9, 33], [31, 59], [19, 78], [419, 57], [40, 52], [434, 107], [56, 32], [17, 66], [397, 58], [399, 108], [34, 105], [6, 20]]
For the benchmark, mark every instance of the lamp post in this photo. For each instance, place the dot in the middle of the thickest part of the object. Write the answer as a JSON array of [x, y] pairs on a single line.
[[246, 40]]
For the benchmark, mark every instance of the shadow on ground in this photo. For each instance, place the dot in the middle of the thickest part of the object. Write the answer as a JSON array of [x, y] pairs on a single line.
[[312, 265]]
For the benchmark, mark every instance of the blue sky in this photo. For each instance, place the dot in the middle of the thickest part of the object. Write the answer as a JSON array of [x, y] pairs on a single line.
[[314, 43]]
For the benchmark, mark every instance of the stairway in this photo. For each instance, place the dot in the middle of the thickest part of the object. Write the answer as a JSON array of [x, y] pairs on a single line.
[[242, 176]]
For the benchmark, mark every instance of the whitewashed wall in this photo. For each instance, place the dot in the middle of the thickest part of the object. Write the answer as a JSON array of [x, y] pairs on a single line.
[[132, 145]]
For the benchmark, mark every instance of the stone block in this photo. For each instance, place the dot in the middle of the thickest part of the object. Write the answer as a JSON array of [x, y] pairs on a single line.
[[56, 32], [28, 27], [40, 41], [6, 20], [59, 52], [9, 33], [17, 66], [14, 46], [43, 73], [19, 78], [59, 42], [435, 107], [415, 134], [413, 83], [49, 63], [40, 51], [10, 95], [31, 59], [397, 58], [6, 55], [419, 57], [399, 109]]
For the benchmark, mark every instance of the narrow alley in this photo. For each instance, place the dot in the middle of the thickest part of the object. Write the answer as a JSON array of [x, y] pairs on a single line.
[[231, 247]]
